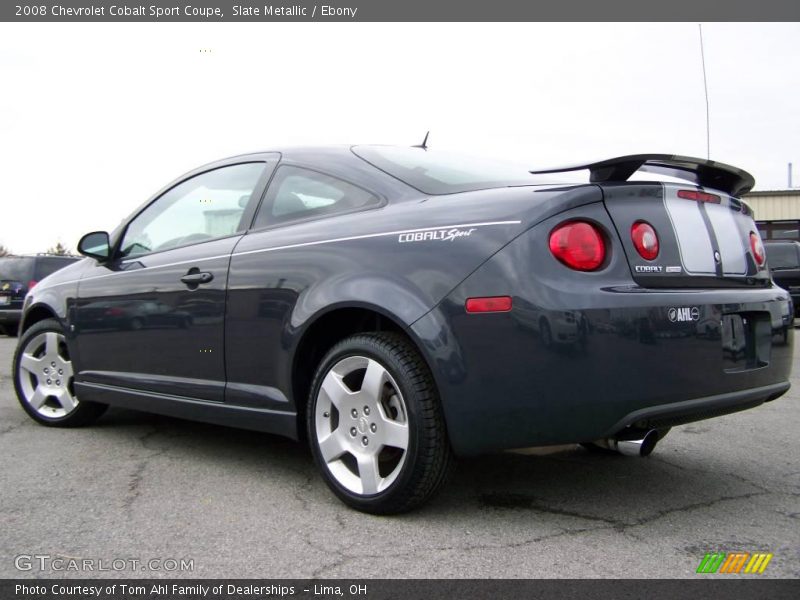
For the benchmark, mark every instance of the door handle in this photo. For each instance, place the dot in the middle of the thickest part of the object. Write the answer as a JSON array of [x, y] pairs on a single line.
[[196, 278]]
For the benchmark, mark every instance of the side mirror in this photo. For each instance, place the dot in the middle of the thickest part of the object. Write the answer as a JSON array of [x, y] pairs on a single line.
[[95, 245]]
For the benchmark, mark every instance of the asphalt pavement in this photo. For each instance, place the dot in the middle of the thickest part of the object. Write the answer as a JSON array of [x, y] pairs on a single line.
[[136, 488]]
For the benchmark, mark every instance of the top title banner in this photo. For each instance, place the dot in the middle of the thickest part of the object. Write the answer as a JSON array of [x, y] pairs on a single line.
[[400, 10]]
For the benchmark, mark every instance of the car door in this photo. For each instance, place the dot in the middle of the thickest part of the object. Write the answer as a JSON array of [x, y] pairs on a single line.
[[153, 318], [265, 285]]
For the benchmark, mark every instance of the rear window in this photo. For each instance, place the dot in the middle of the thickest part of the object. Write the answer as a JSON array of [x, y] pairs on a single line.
[[782, 256], [16, 269], [434, 172]]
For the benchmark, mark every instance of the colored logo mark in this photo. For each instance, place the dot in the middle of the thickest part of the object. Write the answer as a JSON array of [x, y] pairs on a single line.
[[734, 562]]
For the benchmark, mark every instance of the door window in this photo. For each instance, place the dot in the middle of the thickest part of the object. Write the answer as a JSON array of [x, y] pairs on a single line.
[[207, 206]]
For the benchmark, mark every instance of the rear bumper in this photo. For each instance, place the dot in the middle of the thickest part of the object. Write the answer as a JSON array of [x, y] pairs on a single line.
[[688, 411], [503, 386], [10, 316]]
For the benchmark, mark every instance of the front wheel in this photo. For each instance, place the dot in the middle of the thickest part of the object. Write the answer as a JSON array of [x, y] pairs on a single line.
[[44, 379], [375, 425]]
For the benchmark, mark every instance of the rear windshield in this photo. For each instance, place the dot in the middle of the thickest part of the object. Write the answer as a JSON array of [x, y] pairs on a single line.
[[782, 256], [436, 172], [16, 269], [48, 266]]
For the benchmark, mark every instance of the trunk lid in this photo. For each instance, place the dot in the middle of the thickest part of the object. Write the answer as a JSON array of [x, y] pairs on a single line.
[[702, 243]]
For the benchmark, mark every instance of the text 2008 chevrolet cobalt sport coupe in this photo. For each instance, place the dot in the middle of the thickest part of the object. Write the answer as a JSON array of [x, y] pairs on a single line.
[[400, 307]]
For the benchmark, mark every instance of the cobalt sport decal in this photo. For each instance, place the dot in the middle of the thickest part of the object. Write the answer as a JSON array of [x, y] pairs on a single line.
[[443, 235]]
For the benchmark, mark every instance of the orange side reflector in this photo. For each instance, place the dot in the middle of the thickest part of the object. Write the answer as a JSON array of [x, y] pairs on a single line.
[[491, 304]]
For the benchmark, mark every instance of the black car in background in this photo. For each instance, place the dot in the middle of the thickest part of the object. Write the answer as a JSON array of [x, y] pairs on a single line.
[[18, 275], [397, 307], [783, 258]]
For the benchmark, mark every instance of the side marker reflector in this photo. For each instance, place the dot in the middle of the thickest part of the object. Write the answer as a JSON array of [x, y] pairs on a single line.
[[490, 304]]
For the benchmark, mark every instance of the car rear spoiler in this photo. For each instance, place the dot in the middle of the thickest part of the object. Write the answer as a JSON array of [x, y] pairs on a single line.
[[702, 172]]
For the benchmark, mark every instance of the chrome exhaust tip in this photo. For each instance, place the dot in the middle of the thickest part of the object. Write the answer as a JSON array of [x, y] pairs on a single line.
[[641, 448]]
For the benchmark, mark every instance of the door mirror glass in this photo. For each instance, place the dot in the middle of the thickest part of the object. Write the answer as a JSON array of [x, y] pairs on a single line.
[[95, 245]]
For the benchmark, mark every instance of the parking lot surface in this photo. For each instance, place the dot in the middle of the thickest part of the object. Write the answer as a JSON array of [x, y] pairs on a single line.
[[244, 504]]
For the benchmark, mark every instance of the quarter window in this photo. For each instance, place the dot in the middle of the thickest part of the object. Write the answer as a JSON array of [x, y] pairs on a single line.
[[297, 193], [207, 206]]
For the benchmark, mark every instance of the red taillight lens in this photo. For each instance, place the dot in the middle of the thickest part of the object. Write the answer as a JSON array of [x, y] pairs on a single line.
[[491, 304], [758, 249], [579, 245], [645, 240], [31, 284], [698, 196]]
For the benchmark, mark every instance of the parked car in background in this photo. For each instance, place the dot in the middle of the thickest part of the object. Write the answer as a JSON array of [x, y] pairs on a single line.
[[397, 307], [783, 258], [18, 275]]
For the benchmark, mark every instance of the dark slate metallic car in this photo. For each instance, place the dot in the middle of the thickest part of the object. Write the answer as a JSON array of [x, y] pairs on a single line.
[[399, 307]]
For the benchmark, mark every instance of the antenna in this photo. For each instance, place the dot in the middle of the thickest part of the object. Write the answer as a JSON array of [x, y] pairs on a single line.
[[424, 144], [705, 87]]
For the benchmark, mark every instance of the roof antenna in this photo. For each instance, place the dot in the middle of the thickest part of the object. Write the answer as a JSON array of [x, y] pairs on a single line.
[[705, 87], [424, 144]]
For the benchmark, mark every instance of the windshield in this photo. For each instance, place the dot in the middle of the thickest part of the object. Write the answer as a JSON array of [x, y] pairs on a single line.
[[16, 269], [436, 172]]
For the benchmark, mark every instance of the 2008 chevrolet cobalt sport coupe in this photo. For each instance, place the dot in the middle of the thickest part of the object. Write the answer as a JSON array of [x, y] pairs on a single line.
[[399, 307]]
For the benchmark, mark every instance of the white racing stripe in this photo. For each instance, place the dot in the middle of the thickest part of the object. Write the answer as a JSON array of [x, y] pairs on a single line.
[[290, 246], [729, 239], [694, 243]]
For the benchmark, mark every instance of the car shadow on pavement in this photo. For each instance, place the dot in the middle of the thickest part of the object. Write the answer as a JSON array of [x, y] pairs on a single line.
[[566, 482]]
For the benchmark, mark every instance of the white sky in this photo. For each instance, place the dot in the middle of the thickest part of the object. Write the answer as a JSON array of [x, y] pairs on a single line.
[[94, 118]]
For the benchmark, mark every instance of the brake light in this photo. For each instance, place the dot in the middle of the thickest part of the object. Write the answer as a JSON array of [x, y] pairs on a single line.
[[579, 245], [758, 249], [698, 196], [114, 312], [31, 284], [490, 304], [645, 240]]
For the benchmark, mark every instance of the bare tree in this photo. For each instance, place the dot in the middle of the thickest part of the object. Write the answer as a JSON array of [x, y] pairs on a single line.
[[4, 251], [59, 249]]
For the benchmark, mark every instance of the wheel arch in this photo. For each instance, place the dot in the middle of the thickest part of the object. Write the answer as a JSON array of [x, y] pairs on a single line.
[[324, 331], [36, 313]]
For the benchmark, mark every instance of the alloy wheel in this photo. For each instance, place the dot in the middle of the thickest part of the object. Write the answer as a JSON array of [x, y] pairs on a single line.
[[362, 427], [46, 376]]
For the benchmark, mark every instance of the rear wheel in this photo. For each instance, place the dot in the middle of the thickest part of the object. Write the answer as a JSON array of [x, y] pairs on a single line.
[[375, 424], [44, 379]]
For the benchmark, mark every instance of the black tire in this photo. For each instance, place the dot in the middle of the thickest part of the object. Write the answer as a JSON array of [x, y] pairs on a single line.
[[428, 458], [83, 413]]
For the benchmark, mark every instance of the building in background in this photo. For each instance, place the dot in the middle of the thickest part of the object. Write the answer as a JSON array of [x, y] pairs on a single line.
[[777, 213]]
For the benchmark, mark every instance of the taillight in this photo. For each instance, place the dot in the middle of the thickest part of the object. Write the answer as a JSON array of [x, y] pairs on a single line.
[[32, 283], [579, 245], [645, 240], [490, 304], [698, 196], [758, 249]]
